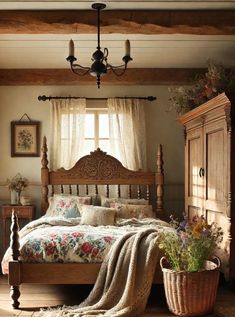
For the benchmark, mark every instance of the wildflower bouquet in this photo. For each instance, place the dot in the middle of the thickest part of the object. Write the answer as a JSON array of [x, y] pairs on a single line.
[[191, 243], [17, 183]]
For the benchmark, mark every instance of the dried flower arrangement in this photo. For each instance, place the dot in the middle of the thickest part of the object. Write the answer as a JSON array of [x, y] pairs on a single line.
[[17, 183], [206, 86], [191, 243]]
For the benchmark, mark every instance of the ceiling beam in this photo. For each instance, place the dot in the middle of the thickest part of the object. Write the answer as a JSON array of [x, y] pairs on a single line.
[[132, 76], [200, 22]]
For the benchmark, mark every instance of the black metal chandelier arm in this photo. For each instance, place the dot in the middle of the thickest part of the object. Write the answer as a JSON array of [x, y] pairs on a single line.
[[117, 70], [79, 70]]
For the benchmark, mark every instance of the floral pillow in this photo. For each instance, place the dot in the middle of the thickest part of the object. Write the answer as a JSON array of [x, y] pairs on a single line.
[[66, 205], [106, 202], [133, 211], [97, 216]]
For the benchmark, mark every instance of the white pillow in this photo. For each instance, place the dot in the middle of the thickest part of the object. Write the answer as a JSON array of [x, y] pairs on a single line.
[[106, 202], [97, 216], [133, 211]]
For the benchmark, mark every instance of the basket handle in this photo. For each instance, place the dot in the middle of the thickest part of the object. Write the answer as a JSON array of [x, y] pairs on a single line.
[[163, 262], [217, 261]]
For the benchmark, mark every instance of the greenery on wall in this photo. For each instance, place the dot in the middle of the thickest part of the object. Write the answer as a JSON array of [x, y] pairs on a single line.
[[216, 80]]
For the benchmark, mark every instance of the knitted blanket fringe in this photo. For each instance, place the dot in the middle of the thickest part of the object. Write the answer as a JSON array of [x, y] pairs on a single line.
[[124, 282]]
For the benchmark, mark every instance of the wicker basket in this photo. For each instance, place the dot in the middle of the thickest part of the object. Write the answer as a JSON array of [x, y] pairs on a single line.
[[191, 293]]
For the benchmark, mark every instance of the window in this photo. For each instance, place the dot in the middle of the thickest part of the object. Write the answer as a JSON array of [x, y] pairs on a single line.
[[96, 130], [79, 128]]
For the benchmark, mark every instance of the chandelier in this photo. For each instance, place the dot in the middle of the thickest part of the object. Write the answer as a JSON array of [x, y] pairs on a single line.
[[100, 64]]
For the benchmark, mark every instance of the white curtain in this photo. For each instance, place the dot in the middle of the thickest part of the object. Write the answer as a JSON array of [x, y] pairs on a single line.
[[68, 128], [127, 132]]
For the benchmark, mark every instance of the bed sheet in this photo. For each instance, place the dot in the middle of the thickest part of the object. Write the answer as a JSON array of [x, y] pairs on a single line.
[[56, 239]]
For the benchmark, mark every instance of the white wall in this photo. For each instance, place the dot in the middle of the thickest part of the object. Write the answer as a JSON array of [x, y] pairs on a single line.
[[161, 128]]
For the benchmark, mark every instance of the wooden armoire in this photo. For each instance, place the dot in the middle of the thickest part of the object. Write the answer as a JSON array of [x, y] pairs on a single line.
[[210, 169]]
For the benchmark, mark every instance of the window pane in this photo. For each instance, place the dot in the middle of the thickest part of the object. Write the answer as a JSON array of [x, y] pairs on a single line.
[[90, 125], [104, 145], [103, 125], [89, 145]]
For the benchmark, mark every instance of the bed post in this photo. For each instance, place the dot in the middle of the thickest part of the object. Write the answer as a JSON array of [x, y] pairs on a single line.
[[159, 182], [14, 264], [44, 176]]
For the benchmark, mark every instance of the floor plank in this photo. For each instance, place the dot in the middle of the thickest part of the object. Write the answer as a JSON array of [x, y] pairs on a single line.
[[34, 297]]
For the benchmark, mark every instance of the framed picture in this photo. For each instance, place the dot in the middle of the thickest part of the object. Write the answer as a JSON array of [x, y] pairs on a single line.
[[25, 138]]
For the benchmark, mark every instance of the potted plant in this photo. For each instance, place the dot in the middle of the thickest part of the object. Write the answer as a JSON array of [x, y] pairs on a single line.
[[204, 87], [17, 184], [190, 276]]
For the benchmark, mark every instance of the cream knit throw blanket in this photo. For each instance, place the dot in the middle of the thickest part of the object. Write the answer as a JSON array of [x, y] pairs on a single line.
[[124, 281]]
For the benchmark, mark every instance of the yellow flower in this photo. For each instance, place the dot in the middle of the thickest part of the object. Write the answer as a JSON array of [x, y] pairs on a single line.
[[197, 230]]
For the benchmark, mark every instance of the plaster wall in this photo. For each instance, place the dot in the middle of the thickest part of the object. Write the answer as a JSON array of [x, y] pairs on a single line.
[[161, 128]]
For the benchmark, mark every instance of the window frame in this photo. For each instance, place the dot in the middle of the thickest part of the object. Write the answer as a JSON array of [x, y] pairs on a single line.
[[96, 112]]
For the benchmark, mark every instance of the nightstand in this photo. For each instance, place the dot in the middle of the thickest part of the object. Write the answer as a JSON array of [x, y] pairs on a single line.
[[24, 213]]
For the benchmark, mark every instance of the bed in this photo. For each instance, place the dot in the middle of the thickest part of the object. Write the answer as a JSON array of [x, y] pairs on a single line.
[[92, 172]]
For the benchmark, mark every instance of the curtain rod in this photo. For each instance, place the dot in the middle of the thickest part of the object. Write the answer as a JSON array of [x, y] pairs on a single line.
[[44, 98]]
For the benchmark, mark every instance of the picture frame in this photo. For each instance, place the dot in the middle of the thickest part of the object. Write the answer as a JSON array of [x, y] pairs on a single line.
[[25, 138]]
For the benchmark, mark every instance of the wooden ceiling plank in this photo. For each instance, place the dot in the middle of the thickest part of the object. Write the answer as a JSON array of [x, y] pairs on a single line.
[[133, 76], [206, 22]]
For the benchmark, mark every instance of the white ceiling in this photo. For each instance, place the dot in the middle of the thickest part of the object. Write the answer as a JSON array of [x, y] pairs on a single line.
[[148, 51], [114, 4]]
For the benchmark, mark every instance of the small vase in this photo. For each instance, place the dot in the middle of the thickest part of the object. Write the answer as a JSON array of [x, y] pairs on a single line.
[[13, 197]]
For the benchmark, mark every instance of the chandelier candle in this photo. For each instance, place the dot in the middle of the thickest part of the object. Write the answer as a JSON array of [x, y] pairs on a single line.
[[100, 65], [71, 48], [128, 48]]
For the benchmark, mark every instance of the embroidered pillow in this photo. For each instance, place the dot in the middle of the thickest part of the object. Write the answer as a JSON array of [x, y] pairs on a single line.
[[97, 216], [106, 202], [67, 205], [133, 211]]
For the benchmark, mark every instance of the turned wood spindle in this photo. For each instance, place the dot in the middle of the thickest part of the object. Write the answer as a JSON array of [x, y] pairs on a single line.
[[15, 252], [119, 191], [14, 238], [44, 176]]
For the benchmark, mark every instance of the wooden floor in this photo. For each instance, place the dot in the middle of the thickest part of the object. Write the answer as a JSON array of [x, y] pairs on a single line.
[[35, 297]]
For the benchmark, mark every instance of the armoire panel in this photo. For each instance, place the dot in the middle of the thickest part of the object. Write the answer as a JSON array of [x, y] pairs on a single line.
[[215, 165], [195, 186], [193, 211]]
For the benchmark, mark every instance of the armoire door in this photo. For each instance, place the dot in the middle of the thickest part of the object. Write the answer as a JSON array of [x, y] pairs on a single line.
[[216, 170], [194, 191]]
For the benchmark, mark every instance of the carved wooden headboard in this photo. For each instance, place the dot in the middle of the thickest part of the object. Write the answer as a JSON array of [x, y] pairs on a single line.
[[99, 168]]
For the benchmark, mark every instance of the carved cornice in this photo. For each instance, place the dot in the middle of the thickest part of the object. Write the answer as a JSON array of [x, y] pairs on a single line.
[[206, 107]]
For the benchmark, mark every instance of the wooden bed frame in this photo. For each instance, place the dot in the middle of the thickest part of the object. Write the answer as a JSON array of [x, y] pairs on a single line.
[[93, 170]]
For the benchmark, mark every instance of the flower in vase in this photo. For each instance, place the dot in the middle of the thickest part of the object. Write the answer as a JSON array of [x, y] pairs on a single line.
[[17, 184]]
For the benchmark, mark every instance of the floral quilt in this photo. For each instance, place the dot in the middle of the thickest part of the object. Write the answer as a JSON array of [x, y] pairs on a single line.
[[56, 239]]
